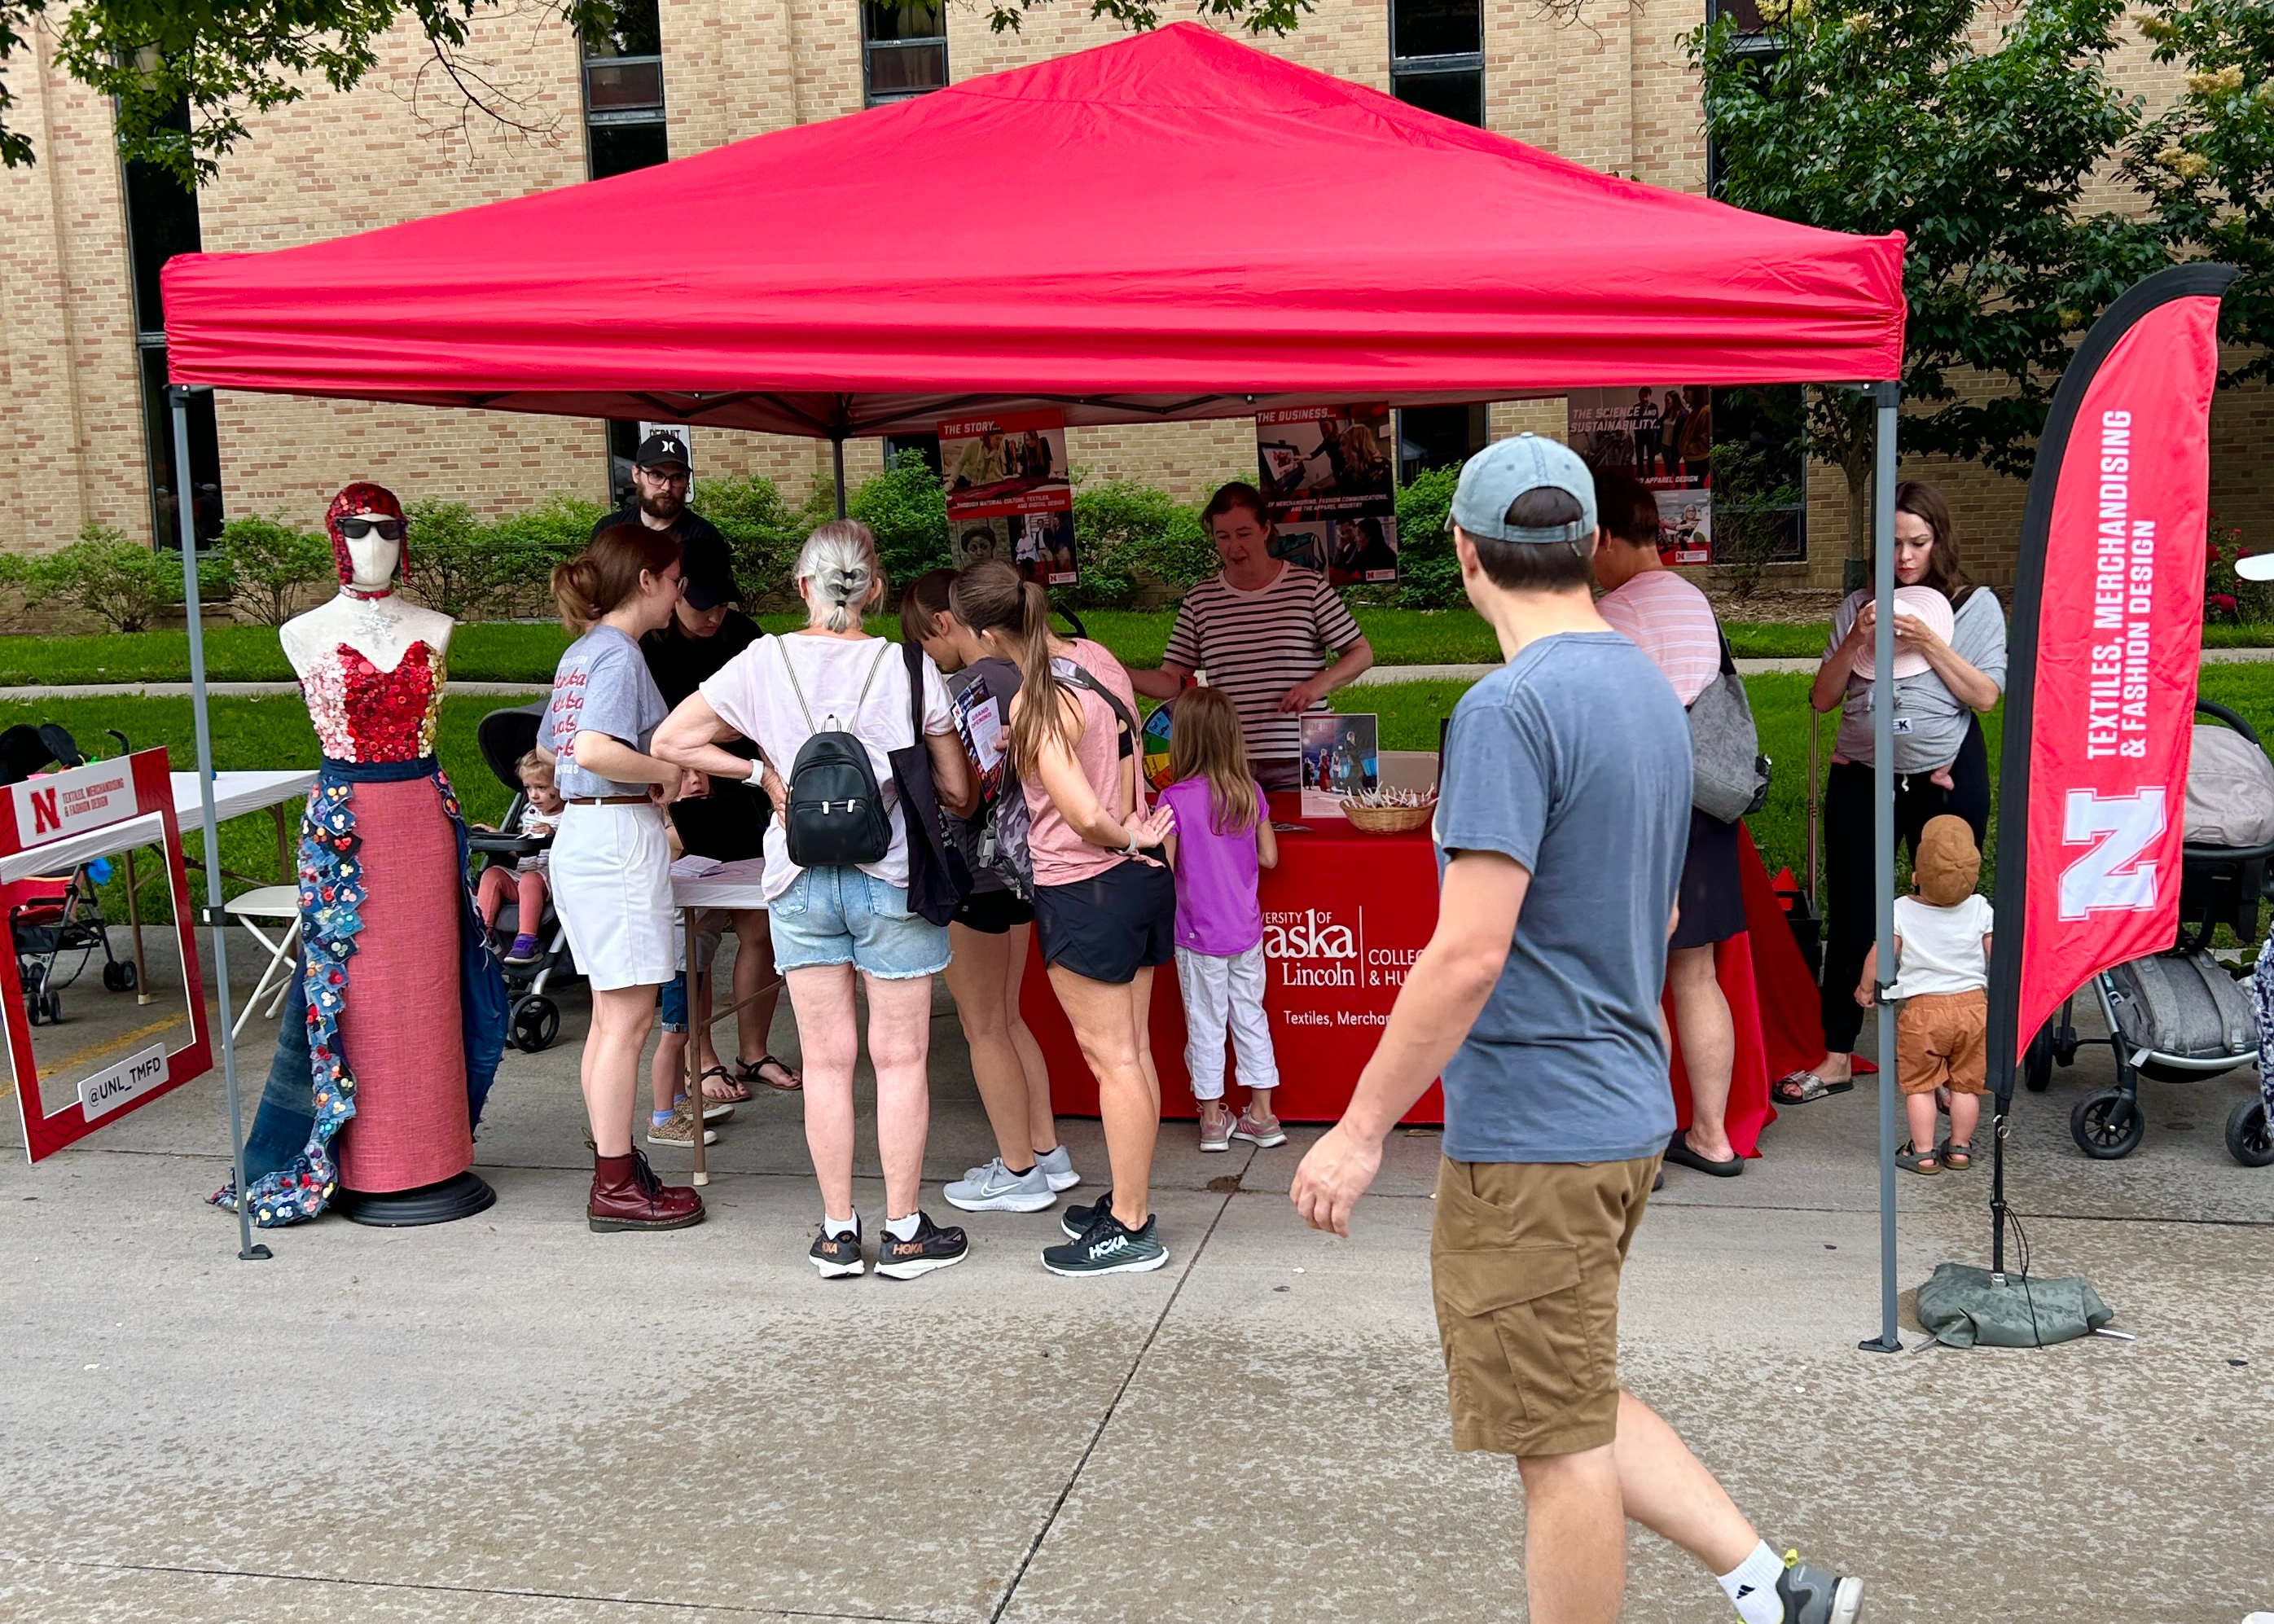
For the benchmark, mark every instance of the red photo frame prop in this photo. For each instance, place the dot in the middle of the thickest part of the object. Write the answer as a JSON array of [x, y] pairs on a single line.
[[118, 796]]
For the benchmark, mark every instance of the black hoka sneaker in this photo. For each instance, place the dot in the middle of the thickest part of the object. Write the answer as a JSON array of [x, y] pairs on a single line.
[[930, 1248], [1076, 1220], [1811, 1595], [1108, 1247], [837, 1256]]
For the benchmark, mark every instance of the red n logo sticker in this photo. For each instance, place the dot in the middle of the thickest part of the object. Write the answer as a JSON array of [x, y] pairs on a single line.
[[44, 814]]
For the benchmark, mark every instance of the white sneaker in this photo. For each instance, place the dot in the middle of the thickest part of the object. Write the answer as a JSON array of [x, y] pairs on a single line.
[[996, 1189], [1058, 1167]]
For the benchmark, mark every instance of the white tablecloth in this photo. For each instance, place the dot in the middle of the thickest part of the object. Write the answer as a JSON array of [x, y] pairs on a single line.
[[235, 794]]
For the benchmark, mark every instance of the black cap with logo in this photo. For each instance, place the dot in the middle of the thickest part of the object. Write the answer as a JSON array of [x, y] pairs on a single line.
[[657, 449]]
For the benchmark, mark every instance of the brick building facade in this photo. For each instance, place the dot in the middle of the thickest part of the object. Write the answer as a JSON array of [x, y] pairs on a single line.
[[1612, 90]]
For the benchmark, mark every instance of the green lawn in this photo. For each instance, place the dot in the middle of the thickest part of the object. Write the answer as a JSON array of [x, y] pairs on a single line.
[[274, 732], [509, 651]]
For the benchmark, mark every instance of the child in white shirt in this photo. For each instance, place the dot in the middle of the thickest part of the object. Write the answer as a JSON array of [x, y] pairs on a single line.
[[1942, 959]]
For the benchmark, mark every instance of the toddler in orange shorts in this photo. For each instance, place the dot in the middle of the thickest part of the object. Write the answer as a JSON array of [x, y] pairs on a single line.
[[1942, 979]]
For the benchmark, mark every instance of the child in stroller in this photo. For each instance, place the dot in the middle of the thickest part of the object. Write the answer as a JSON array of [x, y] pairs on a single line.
[[524, 884], [509, 902]]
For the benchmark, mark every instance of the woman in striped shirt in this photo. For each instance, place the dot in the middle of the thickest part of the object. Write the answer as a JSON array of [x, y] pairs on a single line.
[[1669, 619], [1273, 636]]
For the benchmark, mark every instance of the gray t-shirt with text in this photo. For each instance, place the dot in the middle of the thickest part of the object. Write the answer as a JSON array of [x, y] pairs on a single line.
[[1573, 759], [601, 686]]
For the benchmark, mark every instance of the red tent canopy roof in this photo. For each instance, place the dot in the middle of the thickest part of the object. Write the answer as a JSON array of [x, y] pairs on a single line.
[[1174, 225]]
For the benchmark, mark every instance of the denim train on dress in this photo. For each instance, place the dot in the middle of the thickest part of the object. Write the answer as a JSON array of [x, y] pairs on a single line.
[[289, 1171]]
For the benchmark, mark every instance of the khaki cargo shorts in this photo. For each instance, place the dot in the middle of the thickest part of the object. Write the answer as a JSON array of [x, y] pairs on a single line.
[[1525, 1262]]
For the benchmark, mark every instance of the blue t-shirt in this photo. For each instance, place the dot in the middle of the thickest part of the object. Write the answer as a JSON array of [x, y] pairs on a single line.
[[601, 686], [1573, 759]]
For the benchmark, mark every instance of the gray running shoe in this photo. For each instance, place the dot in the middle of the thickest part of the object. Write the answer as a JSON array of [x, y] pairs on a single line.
[[1811, 1595], [996, 1189], [1058, 1167]]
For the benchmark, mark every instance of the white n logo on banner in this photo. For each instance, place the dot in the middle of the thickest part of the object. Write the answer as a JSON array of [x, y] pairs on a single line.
[[2110, 876]]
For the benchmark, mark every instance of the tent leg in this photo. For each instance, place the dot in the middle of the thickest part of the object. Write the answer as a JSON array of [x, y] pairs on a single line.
[[1885, 397], [247, 1250], [837, 458]]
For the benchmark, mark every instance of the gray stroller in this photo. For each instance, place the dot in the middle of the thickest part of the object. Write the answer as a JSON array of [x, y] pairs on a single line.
[[2182, 1016]]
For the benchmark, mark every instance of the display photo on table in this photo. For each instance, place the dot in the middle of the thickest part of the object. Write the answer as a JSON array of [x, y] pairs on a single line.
[[1685, 526], [1365, 548], [1341, 756]]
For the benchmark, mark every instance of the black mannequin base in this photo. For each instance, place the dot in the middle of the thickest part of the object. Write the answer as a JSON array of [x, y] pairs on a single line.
[[444, 1202]]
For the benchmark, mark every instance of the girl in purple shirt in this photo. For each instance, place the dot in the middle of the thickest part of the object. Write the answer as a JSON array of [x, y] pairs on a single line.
[[1224, 838]]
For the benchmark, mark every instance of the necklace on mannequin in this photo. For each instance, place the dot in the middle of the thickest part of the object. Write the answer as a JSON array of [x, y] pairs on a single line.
[[371, 620]]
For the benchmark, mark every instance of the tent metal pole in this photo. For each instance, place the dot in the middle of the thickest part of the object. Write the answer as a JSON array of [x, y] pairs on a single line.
[[837, 458], [213, 915], [1885, 398]]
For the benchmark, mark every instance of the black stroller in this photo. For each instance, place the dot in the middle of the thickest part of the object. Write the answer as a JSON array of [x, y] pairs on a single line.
[[504, 737], [2181, 1016], [52, 916]]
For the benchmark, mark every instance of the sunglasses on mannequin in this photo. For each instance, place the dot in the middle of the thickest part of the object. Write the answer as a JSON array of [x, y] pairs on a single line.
[[363, 526]]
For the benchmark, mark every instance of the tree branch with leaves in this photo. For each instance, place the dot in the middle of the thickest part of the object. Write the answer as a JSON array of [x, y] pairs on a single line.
[[1877, 116]]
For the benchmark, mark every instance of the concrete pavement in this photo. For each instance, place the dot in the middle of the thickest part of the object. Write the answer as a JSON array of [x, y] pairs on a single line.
[[512, 1420]]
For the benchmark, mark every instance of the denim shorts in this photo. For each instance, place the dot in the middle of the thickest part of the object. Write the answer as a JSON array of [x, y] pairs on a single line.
[[842, 916]]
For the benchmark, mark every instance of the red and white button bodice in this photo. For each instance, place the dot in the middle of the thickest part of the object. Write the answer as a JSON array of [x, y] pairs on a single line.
[[364, 714]]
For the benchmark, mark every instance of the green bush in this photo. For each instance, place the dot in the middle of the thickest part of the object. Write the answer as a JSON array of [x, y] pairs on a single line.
[[527, 544], [1429, 574], [761, 527], [449, 560], [273, 564], [906, 508], [122, 584]]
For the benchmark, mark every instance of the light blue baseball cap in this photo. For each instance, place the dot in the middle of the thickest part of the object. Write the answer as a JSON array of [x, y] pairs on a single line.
[[1504, 471]]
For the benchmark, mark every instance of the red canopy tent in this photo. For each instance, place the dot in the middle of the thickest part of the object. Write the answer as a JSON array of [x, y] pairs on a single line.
[[1175, 225]]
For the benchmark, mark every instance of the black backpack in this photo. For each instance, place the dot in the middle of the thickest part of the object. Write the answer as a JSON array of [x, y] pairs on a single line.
[[837, 818]]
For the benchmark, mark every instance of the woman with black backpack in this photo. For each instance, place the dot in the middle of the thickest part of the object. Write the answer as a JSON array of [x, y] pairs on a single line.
[[827, 705], [1106, 907]]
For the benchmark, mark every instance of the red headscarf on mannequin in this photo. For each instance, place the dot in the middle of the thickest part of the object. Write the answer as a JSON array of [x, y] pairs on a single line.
[[363, 497]]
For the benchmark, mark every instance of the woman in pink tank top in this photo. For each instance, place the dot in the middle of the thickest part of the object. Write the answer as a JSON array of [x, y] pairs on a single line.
[[1105, 907]]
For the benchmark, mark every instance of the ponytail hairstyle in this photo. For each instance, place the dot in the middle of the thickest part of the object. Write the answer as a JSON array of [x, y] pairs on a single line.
[[1205, 742], [991, 596], [838, 575], [607, 574], [927, 596]]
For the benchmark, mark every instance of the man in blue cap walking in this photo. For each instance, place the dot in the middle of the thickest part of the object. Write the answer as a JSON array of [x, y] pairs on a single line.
[[1565, 801]]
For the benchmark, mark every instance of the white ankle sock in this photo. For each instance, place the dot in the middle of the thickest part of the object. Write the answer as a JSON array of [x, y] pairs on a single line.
[[833, 1227], [1751, 1587], [903, 1229]]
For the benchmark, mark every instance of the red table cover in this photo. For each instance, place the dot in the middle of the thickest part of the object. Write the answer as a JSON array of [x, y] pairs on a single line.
[[1345, 913]]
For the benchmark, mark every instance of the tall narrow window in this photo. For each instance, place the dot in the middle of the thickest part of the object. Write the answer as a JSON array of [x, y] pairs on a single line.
[[1437, 57], [161, 220], [903, 48], [623, 92]]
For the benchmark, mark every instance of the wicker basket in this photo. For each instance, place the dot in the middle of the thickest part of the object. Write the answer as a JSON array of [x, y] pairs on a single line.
[[1389, 820]]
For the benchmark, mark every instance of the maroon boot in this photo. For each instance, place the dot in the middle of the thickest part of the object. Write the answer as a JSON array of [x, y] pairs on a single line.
[[626, 1195]]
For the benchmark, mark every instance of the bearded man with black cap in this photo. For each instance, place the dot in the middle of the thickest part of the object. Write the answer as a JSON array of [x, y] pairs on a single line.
[[660, 473]]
